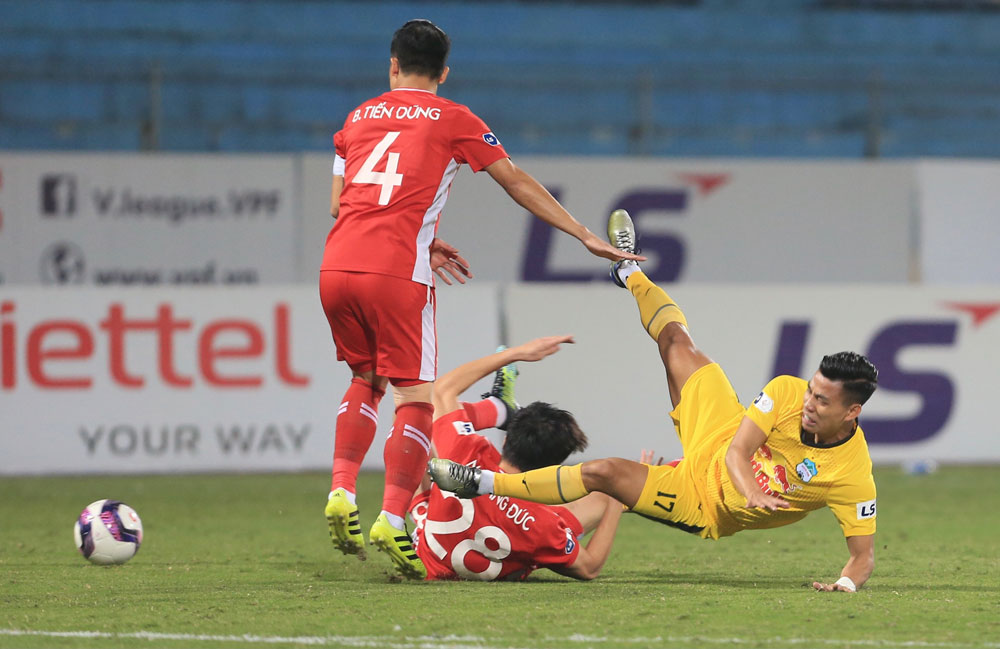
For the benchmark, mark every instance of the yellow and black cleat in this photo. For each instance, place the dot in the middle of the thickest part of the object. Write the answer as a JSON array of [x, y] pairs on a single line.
[[345, 526], [399, 546]]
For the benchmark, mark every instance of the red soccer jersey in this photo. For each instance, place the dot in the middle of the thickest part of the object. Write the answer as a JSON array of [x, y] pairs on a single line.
[[398, 154], [490, 537]]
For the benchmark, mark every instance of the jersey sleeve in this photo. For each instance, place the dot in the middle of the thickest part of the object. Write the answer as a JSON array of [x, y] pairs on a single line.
[[854, 507], [558, 543], [777, 395], [339, 145], [455, 438], [473, 143]]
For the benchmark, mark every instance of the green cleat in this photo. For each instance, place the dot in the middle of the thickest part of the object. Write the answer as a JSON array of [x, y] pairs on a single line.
[[621, 234], [399, 546], [345, 528], [503, 388]]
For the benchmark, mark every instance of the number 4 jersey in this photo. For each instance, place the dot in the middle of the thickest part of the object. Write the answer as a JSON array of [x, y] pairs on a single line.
[[490, 537], [398, 154]]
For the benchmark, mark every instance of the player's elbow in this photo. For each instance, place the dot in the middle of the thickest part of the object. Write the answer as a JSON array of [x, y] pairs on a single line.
[[585, 571]]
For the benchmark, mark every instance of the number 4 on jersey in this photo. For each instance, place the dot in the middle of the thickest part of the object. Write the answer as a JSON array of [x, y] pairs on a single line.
[[388, 179]]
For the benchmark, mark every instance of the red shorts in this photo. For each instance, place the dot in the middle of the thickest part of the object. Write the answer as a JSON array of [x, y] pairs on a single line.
[[381, 323]]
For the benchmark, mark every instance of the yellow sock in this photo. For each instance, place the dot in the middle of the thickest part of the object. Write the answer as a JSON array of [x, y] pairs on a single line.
[[656, 308], [552, 485]]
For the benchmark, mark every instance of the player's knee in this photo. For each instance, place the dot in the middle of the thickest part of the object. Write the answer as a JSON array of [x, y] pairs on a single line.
[[673, 338], [599, 475]]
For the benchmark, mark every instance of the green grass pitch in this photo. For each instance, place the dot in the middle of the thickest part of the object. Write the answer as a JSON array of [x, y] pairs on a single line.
[[245, 561]]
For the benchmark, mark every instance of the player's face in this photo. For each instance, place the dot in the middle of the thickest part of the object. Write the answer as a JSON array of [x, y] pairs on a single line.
[[823, 409]]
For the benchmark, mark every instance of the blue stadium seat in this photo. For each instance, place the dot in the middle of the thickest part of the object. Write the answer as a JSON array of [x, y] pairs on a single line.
[[713, 78]]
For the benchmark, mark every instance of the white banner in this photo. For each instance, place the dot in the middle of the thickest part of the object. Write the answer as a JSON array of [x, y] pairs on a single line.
[[168, 219], [935, 350], [959, 207], [121, 381], [159, 380], [700, 220]]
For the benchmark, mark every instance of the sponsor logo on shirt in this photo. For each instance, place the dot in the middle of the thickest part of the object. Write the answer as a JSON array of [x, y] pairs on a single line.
[[763, 402], [571, 542], [781, 477], [866, 509], [806, 469], [463, 427], [491, 139]]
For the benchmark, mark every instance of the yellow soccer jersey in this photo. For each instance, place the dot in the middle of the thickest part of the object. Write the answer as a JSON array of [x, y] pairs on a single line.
[[807, 476]]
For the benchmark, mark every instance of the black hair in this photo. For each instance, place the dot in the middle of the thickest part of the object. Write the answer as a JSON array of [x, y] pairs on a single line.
[[421, 47], [857, 374], [540, 434]]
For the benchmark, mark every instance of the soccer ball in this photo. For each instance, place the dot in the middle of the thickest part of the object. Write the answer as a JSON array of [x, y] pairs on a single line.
[[107, 532]]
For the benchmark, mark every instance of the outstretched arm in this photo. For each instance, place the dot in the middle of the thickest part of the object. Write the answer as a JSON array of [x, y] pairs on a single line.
[[532, 196], [747, 440], [447, 388], [591, 558], [859, 567]]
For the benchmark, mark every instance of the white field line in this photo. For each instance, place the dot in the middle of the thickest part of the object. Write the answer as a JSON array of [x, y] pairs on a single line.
[[474, 642]]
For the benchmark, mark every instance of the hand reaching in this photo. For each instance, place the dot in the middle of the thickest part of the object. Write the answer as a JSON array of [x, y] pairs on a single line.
[[445, 257], [602, 248], [539, 348], [762, 500], [646, 457]]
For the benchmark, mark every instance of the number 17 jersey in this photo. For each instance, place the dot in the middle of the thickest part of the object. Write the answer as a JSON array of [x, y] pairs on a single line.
[[398, 154]]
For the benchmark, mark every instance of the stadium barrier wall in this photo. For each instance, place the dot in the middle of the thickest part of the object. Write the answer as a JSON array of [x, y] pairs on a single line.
[[152, 220], [701, 220], [934, 347], [959, 207], [101, 380], [120, 380], [198, 219]]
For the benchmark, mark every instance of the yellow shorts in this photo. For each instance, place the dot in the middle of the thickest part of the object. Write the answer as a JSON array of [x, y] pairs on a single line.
[[706, 419]]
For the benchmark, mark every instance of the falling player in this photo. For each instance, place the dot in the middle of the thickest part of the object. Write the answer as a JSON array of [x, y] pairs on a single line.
[[507, 538], [796, 449], [396, 156]]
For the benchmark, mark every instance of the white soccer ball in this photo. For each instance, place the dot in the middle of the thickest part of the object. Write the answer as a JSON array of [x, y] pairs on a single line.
[[107, 532]]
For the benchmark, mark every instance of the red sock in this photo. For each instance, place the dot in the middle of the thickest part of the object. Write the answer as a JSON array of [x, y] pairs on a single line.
[[482, 414], [357, 419], [406, 453]]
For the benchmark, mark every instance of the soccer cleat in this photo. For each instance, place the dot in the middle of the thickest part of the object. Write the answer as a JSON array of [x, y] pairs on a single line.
[[345, 528], [457, 478], [399, 546], [621, 234], [503, 389]]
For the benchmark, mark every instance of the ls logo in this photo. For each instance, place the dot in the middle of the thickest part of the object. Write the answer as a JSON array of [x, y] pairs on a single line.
[[666, 252], [935, 390]]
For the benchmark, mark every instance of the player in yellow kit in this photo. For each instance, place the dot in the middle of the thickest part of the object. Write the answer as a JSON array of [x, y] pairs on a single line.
[[796, 449]]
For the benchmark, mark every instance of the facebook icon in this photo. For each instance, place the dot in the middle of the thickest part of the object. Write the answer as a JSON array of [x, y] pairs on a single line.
[[58, 195]]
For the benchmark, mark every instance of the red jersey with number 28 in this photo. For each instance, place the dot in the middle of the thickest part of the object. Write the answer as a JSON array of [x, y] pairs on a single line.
[[489, 537], [399, 153]]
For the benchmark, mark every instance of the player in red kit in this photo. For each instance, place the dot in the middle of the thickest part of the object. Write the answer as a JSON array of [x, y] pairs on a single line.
[[396, 156], [507, 538]]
